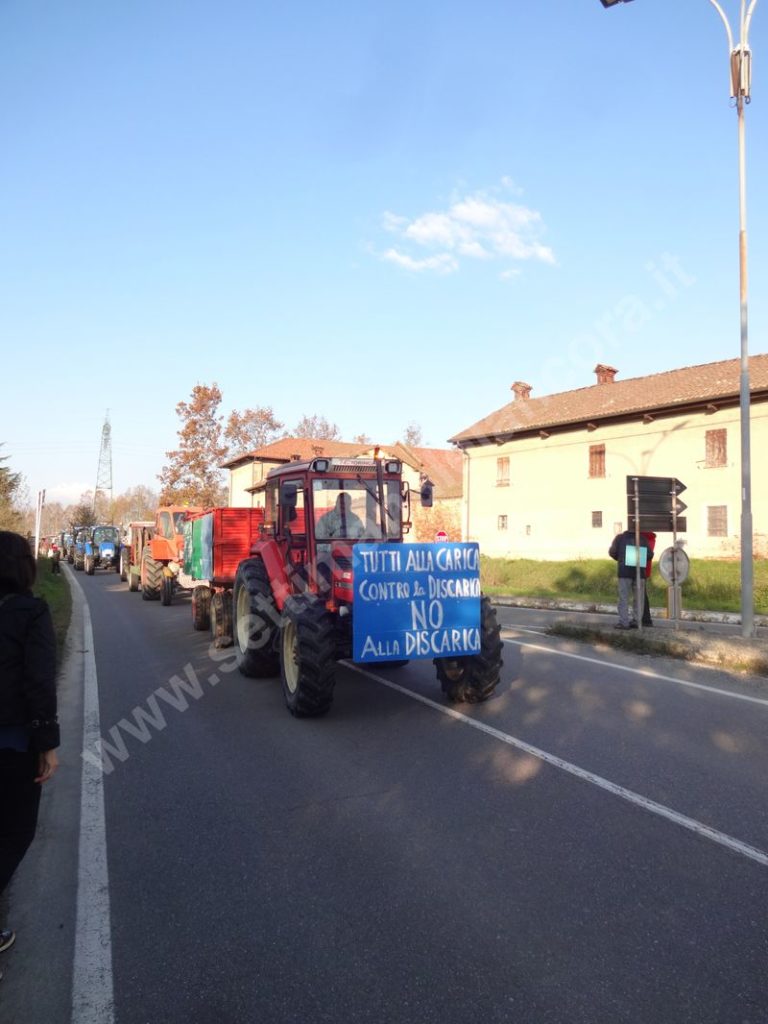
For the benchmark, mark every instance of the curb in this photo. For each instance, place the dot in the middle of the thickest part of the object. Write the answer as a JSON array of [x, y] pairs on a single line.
[[552, 604]]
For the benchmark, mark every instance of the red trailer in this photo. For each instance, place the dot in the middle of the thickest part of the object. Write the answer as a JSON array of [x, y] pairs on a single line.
[[216, 540]]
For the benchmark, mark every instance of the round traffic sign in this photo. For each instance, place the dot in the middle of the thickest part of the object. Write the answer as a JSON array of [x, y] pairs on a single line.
[[441, 536], [674, 565]]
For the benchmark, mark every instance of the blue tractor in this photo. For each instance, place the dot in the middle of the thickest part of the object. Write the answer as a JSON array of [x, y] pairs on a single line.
[[81, 535], [102, 549]]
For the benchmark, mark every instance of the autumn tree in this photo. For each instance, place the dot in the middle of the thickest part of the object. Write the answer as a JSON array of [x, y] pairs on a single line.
[[136, 504], [251, 429], [192, 475], [317, 428], [361, 439]]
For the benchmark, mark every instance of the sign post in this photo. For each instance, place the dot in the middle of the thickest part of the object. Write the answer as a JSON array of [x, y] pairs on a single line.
[[653, 505]]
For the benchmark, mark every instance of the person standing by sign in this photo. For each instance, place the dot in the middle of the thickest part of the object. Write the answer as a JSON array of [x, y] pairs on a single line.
[[340, 521], [649, 537], [624, 551], [29, 730]]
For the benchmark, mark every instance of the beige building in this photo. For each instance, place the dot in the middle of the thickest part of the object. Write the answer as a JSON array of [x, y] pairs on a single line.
[[545, 478], [443, 466]]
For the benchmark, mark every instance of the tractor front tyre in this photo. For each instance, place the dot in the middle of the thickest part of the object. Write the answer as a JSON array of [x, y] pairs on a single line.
[[133, 580], [255, 621], [201, 608], [124, 565], [88, 565], [307, 656], [166, 590], [151, 577], [473, 678]]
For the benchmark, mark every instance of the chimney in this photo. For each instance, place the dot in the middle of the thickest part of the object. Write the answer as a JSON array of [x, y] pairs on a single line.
[[605, 374], [522, 390]]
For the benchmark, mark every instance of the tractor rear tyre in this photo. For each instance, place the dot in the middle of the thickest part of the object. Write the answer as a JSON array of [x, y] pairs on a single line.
[[166, 590], [88, 565], [124, 565], [307, 656], [255, 621], [201, 608], [473, 678], [151, 576], [220, 618], [133, 580]]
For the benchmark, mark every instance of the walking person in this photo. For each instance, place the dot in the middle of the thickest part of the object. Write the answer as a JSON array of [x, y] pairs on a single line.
[[624, 551], [29, 730]]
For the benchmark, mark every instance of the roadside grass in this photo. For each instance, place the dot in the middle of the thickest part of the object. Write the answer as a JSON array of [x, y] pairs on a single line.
[[711, 585], [55, 590]]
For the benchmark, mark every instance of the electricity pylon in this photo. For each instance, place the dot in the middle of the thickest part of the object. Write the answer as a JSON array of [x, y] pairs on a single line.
[[104, 472]]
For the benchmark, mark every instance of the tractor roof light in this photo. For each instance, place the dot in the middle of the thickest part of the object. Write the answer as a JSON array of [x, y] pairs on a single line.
[[393, 466], [321, 465]]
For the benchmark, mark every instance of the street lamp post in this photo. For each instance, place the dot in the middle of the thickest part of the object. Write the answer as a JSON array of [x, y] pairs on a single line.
[[741, 77]]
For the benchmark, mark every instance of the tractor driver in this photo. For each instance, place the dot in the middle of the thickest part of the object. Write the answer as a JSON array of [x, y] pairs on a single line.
[[340, 521]]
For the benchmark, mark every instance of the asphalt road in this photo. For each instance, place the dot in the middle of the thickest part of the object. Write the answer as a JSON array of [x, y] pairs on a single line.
[[589, 846]]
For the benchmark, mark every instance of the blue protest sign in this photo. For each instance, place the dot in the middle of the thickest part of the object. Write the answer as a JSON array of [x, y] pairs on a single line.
[[415, 601]]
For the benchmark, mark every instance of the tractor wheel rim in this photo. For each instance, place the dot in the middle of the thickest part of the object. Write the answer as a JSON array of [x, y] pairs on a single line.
[[291, 656], [243, 614]]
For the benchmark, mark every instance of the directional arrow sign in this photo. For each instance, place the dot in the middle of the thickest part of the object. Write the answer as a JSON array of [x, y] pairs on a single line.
[[656, 503]]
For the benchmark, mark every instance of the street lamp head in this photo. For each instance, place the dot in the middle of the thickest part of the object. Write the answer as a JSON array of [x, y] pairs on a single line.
[[612, 3]]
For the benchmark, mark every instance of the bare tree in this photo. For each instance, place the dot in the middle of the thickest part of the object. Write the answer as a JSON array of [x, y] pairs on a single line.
[[253, 428], [317, 427], [413, 435]]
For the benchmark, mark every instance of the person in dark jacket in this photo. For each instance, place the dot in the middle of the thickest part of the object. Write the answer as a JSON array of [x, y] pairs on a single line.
[[622, 546], [29, 731]]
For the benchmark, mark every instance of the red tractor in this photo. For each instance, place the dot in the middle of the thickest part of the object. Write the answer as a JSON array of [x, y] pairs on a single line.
[[292, 604], [162, 556]]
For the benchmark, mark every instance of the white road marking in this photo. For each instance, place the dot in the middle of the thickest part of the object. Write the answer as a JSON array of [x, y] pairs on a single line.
[[92, 984], [721, 838], [648, 673]]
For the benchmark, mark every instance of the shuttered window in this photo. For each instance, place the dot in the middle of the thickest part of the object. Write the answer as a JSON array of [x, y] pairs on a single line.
[[596, 460], [716, 448], [597, 520], [502, 471], [502, 522], [717, 521]]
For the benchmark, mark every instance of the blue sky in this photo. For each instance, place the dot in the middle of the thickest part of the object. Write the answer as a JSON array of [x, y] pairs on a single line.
[[377, 213]]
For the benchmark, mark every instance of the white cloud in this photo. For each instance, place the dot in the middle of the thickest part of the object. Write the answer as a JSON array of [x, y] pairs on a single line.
[[478, 226], [443, 262]]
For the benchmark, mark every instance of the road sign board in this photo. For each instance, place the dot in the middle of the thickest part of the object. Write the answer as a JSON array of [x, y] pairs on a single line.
[[655, 502], [659, 523], [655, 485], [674, 565]]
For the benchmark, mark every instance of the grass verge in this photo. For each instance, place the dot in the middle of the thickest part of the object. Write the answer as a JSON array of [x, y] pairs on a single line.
[[711, 586], [54, 588]]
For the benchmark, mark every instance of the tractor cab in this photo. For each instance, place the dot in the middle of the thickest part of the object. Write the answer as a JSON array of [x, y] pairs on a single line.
[[317, 511]]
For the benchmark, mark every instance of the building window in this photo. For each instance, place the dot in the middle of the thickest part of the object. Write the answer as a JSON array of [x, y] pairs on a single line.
[[596, 460], [597, 520], [502, 471], [502, 522], [716, 448], [717, 520]]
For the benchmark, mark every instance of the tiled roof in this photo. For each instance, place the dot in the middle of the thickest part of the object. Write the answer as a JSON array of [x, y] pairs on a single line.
[[284, 449], [443, 466], [690, 386]]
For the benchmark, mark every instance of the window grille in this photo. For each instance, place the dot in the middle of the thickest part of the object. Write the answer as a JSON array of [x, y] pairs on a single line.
[[717, 521]]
